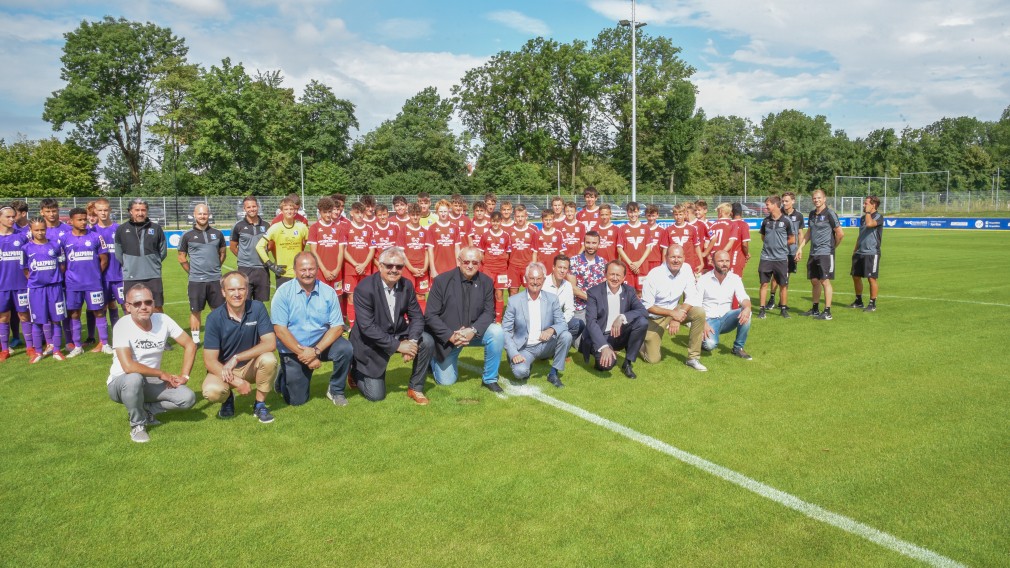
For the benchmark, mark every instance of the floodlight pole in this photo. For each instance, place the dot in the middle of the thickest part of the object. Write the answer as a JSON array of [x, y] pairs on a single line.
[[301, 167], [633, 25]]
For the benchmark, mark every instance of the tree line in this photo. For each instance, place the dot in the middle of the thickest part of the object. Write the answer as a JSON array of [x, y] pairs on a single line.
[[545, 114]]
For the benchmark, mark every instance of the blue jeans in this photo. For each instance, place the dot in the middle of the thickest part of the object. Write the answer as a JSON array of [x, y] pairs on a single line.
[[447, 371], [726, 324]]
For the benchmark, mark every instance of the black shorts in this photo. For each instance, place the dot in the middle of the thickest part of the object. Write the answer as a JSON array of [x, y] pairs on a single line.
[[792, 263], [774, 268], [865, 265], [202, 294], [259, 282], [157, 290], [821, 267]]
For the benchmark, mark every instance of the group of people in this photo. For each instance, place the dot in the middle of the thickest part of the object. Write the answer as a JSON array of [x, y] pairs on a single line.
[[415, 282]]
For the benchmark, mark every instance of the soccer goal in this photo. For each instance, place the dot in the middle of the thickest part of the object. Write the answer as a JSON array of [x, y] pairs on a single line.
[[851, 190]]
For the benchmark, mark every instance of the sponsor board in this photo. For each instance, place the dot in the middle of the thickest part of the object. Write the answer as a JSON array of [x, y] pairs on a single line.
[[941, 223]]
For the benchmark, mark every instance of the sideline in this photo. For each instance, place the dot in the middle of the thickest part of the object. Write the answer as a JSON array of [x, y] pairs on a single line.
[[837, 293], [810, 510]]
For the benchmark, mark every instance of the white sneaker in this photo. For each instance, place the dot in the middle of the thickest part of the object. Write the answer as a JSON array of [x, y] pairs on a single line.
[[75, 352], [696, 365], [139, 434], [108, 350]]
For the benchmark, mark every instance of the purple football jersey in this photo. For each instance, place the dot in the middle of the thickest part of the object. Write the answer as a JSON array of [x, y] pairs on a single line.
[[114, 273], [59, 232], [84, 268], [12, 276], [43, 263]]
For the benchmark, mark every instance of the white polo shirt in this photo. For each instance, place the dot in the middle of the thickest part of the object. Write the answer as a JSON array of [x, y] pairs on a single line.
[[717, 297], [664, 289]]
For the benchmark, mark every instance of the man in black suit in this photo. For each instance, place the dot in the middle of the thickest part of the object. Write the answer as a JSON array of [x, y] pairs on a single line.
[[460, 312], [616, 319], [389, 321]]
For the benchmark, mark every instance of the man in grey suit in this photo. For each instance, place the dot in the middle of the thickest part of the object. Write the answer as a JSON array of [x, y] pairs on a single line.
[[615, 319], [389, 321], [535, 328]]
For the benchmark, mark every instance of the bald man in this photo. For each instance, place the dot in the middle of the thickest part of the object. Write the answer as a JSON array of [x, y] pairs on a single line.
[[201, 253]]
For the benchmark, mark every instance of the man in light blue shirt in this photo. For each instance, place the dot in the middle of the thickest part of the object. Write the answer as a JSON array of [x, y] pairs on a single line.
[[308, 323]]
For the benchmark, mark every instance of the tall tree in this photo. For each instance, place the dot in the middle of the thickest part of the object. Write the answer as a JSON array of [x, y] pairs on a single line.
[[46, 168], [326, 123], [111, 69]]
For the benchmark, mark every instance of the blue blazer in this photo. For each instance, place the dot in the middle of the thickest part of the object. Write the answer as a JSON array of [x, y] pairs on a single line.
[[596, 311], [515, 322]]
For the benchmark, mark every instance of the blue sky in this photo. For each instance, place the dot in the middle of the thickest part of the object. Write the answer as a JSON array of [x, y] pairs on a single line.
[[862, 64]]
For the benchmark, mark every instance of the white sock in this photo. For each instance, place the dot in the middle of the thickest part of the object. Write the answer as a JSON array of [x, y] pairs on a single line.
[[196, 336]]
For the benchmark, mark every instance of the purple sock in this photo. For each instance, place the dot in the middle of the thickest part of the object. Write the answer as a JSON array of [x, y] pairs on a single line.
[[5, 331], [66, 329], [47, 332], [91, 325], [75, 332], [103, 329], [114, 315], [57, 336], [29, 335]]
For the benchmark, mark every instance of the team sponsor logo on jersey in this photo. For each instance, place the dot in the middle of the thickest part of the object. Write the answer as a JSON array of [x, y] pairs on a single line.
[[11, 255], [635, 241], [81, 256]]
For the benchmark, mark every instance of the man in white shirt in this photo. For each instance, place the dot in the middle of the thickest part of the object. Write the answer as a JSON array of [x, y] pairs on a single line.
[[535, 328], [670, 295], [559, 285], [136, 379], [718, 287]]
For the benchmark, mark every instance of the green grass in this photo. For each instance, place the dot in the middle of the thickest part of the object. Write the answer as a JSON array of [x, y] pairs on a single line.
[[897, 419]]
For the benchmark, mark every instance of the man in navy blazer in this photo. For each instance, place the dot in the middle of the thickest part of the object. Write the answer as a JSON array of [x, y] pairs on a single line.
[[460, 312], [535, 328], [389, 321], [615, 319]]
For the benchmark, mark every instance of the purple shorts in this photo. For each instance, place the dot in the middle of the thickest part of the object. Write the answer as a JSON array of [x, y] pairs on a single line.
[[94, 300], [13, 300], [114, 292], [46, 304]]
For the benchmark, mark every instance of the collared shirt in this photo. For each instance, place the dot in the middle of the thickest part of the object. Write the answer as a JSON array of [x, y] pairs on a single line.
[[588, 274], [665, 289], [565, 294], [390, 300], [535, 325], [307, 316], [613, 308], [717, 297], [231, 337]]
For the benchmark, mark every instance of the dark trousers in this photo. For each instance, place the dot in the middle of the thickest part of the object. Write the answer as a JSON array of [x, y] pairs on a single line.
[[293, 381], [575, 328], [374, 388], [631, 339]]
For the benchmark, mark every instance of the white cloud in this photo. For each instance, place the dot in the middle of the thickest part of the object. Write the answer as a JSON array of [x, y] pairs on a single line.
[[405, 29], [757, 52], [520, 22], [206, 8]]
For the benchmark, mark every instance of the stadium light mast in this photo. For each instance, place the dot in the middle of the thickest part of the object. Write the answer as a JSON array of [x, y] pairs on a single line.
[[634, 25]]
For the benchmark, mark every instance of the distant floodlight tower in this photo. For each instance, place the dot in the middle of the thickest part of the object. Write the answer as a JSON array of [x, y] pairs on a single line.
[[634, 25]]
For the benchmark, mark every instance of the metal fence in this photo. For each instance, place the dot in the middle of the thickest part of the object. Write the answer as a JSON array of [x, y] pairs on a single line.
[[226, 210]]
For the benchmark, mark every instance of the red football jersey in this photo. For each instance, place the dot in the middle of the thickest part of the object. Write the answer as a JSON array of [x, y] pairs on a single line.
[[477, 231], [442, 240], [464, 224], [660, 241], [589, 219], [549, 245], [524, 242], [634, 241], [743, 230], [401, 222], [385, 237], [415, 245], [358, 242], [687, 237], [722, 232], [608, 241], [327, 241], [702, 226], [573, 236], [497, 249]]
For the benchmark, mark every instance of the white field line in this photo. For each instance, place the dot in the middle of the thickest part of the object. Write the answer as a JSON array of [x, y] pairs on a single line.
[[810, 510], [837, 293]]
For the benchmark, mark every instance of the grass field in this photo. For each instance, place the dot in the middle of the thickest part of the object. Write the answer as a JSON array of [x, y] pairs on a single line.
[[897, 419]]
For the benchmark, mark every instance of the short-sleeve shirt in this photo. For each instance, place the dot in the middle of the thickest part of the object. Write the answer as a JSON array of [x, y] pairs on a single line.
[[307, 316], [246, 234], [796, 219], [524, 242], [327, 241], [822, 232], [58, 232], [477, 231], [587, 274], [12, 276], [686, 236], [442, 240], [83, 258], [232, 337], [43, 263], [415, 245], [114, 270], [203, 247], [146, 347], [497, 249], [358, 242], [722, 232], [776, 233], [385, 237], [608, 241], [589, 219], [634, 240], [573, 235], [660, 241], [549, 246], [868, 241]]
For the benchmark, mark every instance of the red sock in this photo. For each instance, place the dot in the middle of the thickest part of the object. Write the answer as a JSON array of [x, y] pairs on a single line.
[[350, 313], [424, 303], [499, 308], [343, 303]]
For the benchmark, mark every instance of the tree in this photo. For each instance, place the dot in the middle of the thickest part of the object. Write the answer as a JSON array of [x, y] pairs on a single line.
[[46, 168], [112, 69], [326, 123], [791, 146], [725, 147]]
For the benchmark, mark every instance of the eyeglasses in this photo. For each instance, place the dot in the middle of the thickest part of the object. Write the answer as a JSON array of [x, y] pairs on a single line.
[[139, 303], [470, 262], [392, 266]]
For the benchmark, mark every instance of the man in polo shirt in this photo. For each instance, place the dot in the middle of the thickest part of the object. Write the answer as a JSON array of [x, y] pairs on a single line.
[[308, 322], [718, 287], [201, 253], [670, 295], [239, 349], [244, 237]]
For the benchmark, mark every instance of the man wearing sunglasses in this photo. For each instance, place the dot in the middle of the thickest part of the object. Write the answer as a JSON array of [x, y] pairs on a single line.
[[460, 313], [389, 321], [136, 380]]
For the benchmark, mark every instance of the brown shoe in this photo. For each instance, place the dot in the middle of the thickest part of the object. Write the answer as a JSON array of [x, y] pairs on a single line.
[[418, 397], [351, 383]]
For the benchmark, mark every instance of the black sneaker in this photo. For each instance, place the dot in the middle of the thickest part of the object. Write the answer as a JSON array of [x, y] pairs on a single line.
[[857, 304], [784, 312], [227, 407], [870, 308], [825, 315], [811, 312], [493, 387], [742, 354], [263, 414], [761, 313], [771, 303]]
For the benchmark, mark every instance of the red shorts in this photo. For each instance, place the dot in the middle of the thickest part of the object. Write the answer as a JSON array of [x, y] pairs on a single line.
[[421, 285], [500, 279], [352, 278], [633, 280], [337, 285], [516, 276]]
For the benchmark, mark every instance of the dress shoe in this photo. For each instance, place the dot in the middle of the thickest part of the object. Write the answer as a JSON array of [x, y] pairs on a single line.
[[418, 397], [628, 371], [493, 387], [553, 379]]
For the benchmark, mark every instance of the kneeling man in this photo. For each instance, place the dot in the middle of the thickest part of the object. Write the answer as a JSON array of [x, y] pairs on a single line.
[[389, 321], [535, 328], [615, 319], [718, 288], [238, 348], [136, 380]]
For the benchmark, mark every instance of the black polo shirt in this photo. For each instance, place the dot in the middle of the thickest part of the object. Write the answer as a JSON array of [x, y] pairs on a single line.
[[232, 337]]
